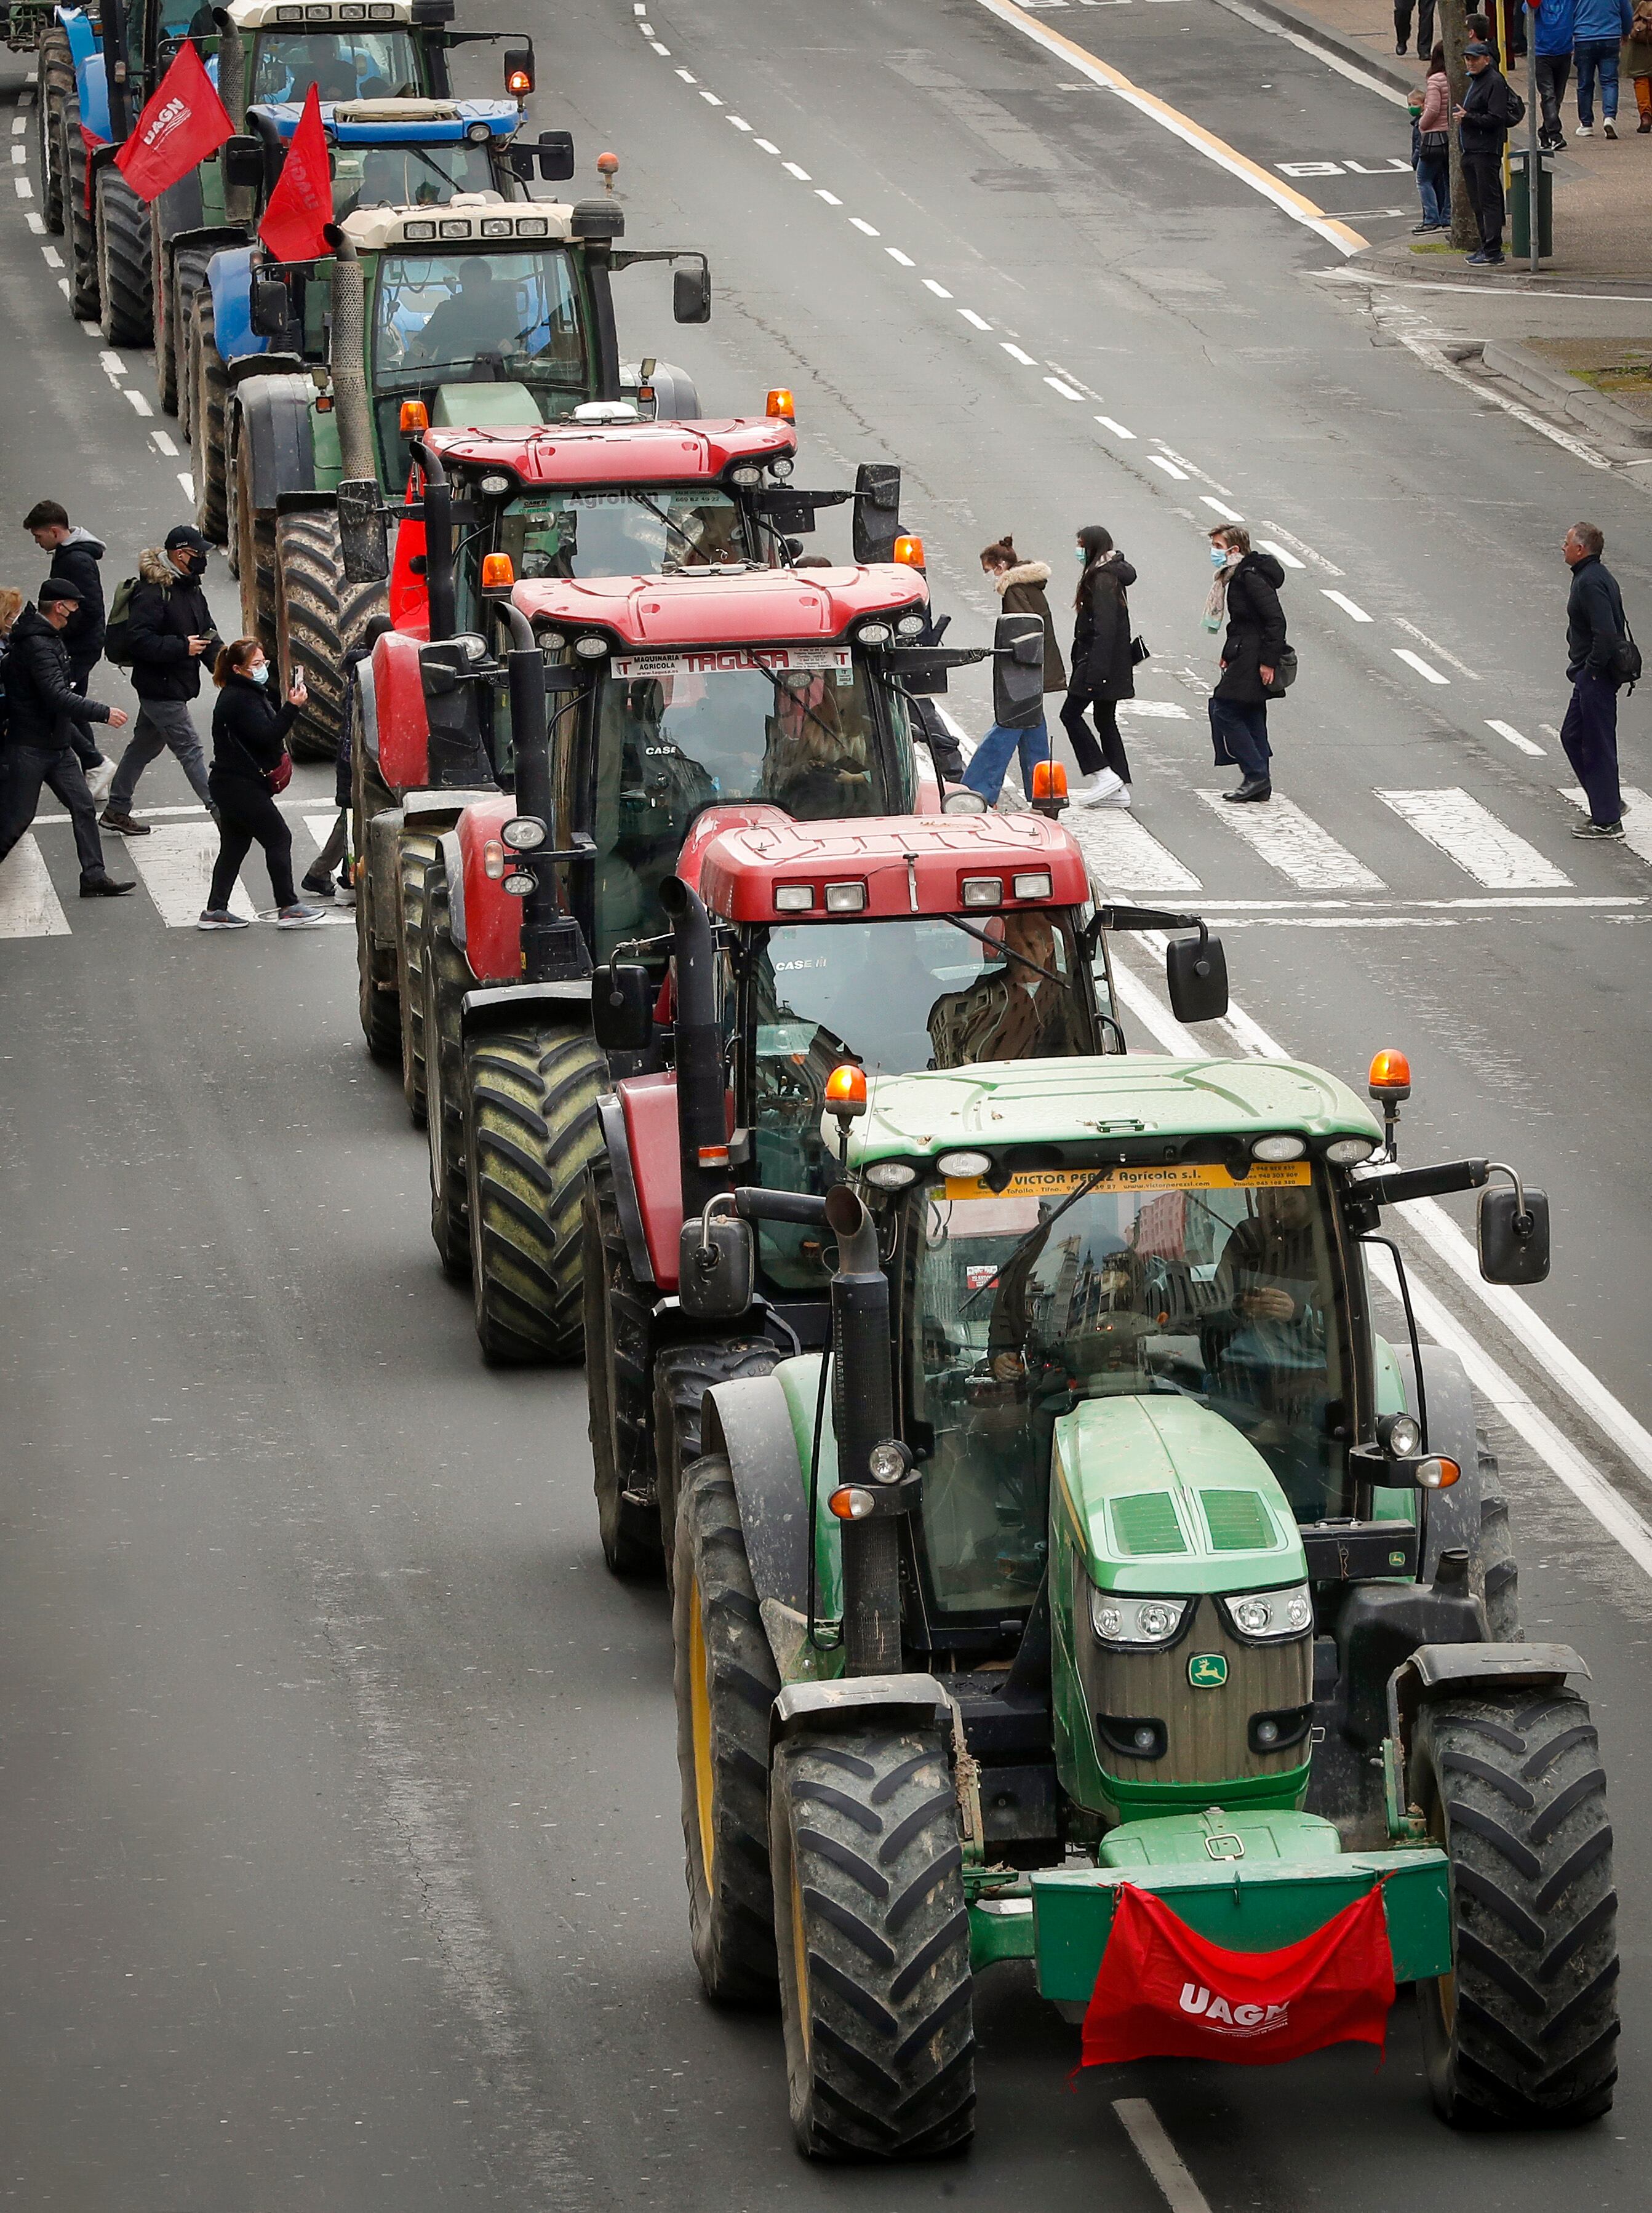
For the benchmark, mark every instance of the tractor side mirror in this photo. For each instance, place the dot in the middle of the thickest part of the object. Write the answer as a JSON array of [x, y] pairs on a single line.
[[362, 535], [555, 155], [876, 517], [1017, 671], [1195, 972], [716, 1269], [691, 294], [243, 165], [1513, 1235], [444, 666], [269, 308], [622, 1006]]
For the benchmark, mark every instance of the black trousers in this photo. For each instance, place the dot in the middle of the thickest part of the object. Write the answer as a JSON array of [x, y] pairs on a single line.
[[80, 673], [1106, 749], [1424, 26], [1552, 72], [1483, 175], [23, 770], [248, 816]]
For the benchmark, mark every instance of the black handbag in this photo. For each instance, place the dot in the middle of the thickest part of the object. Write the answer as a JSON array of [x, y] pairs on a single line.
[[1284, 673], [1625, 664], [1140, 650]]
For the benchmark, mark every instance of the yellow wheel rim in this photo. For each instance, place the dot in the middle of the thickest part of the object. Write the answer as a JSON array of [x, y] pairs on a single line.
[[800, 1956], [700, 1714], [1446, 1985]]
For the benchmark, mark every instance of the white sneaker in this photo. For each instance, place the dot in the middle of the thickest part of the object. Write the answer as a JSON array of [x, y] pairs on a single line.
[[299, 918], [1609, 128], [99, 781], [1587, 130], [1102, 790]]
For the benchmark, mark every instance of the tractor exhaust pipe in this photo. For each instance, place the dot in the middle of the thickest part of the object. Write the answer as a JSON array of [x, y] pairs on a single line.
[[702, 1113], [232, 68], [438, 540], [350, 395], [553, 948], [863, 1414]]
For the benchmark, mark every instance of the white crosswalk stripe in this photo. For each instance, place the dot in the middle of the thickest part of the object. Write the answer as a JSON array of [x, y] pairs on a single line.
[[1126, 858], [1637, 816], [175, 863], [1470, 835], [29, 907], [1294, 845]]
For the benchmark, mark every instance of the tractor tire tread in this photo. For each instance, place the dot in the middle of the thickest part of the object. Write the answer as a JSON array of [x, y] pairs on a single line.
[[319, 617], [415, 856], [126, 309], [683, 1373]]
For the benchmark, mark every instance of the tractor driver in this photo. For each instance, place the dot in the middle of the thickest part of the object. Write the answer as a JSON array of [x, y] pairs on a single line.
[[1024, 1010], [480, 317], [1271, 1280]]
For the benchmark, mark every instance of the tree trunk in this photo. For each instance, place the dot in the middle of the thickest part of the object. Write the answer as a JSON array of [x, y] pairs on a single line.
[[1465, 232]]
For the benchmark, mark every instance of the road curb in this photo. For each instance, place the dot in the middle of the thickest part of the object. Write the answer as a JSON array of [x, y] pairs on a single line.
[[1307, 26], [1593, 410]]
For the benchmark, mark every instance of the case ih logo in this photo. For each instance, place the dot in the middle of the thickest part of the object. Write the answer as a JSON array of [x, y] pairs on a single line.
[[1245, 2020]]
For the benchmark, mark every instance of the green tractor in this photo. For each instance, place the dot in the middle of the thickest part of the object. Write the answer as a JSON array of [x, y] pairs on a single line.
[[1112, 1547]]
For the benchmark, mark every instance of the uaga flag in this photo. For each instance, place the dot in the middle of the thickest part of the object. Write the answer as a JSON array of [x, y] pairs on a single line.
[[183, 122], [301, 204], [1164, 1992]]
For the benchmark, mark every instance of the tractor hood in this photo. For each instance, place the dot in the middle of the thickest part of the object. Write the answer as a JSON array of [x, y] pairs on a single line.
[[1165, 1497]]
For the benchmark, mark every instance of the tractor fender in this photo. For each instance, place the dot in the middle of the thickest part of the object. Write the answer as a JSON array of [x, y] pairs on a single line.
[[883, 1701], [500, 1006], [384, 862], [307, 502], [1445, 1671], [410, 595], [648, 1111], [181, 208], [493, 918], [75, 24], [275, 438], [675, 400], [750, 1423], [1452, 1518], [611, 1118], [91, 84], [404, 725], [229, 279], [367, 713]]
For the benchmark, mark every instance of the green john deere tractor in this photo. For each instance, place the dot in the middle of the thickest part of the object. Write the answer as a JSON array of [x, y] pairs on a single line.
[[1113, 1544]]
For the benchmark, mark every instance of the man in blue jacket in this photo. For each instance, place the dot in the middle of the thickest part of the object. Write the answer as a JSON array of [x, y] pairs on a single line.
[[1553, 28], [1600, 29], [1595, 634]]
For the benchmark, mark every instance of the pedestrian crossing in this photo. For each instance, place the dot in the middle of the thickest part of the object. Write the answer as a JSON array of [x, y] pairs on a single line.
[[175, 865]]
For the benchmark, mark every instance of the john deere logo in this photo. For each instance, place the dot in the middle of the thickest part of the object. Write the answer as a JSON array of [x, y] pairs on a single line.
[[1207, 1671]]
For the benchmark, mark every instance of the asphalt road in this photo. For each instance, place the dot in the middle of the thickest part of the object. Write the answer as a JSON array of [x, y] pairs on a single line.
[[322, 1717]]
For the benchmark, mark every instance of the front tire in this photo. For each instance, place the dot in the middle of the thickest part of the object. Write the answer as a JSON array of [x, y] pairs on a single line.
[[255, 529], [683, 1373], [208, 430], [446, 978], [126, 309], [79, 227], [619, 1338], [319, 617], [726, 1684], [177, 278], [531, 1132], [416, 857], [1523, 2034], [56, 79], [872, 1938]]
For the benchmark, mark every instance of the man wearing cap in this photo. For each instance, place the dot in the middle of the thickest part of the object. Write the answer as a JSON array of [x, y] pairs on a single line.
[[1489, 111], [42, 706], [171, 634]]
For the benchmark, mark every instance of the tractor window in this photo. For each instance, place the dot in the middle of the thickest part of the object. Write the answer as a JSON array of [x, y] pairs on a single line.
[[1165, 1279], [623, 533], [676, 733], [407, 176], [344, 64]]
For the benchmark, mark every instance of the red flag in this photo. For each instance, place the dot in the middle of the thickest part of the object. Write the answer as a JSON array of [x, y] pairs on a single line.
[[301, 203], [1164, 1992], [184, 121]]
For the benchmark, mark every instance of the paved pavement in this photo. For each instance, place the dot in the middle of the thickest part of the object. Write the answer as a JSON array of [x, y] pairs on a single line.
[[339, 1832]]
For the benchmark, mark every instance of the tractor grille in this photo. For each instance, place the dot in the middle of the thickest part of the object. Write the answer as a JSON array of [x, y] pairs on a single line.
[[1144, 1522], [1238, 1521]]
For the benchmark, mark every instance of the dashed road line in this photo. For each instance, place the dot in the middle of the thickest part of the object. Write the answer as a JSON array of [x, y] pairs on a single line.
[[1294, 845], [1474, 839], [30, 906], [1349, 607], [1117, 429], [1424, 668], [1285, 558], [1524, 744], [1169, 467]]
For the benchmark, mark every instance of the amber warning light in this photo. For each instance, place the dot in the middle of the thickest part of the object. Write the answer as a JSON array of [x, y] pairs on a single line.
[[782, 407], [845, 1091], [415, 418], [909, 552], [1049, 793], [498, 574], [1390, 1075]]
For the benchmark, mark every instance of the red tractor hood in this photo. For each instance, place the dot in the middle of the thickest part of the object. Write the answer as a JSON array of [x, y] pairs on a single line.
[[735, 608], [572, 453], [910, 864]]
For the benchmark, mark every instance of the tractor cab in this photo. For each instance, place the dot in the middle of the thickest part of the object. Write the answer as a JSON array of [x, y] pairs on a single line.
[[398, 152]]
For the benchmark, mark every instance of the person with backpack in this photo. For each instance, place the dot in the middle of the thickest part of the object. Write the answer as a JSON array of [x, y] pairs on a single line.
[[250, 765], [1490, 109], [162, 628], [1244, 595], [41, 706], [1600, 654]]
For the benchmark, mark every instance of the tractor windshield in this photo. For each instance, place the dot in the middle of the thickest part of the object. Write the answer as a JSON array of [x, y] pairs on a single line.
[[791, 726], [640, 532], [343, 64], [408, 176], [1161, 1279], [511, 317], [893, 996]]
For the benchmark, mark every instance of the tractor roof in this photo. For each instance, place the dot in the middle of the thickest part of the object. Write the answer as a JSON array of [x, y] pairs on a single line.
[[317, 14], [740, 867], [398, 122], [571, 454], [721, 607], [484, 218], [1124, 1096]]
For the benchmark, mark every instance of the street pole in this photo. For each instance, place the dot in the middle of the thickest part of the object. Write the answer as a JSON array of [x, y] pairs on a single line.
[[1533, 159]]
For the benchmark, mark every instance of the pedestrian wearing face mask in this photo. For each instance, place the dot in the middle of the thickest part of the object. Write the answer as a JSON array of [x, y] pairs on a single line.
[[171, 632], [1245, 596], [1103, 668], [250, 765]]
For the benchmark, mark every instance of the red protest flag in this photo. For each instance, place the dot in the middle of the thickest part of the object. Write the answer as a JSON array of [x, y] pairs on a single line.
[[184, 121], [300, 206], [1164, 1992]]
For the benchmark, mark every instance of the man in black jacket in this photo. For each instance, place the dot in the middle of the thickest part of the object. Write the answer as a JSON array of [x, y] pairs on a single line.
[[1594, 631], [172, 633], [41, 706], [1489, 108], [75, 558], [1247, 590]]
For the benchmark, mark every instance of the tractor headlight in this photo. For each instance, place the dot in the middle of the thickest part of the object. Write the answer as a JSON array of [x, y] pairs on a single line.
[[495, 487], [890, 1175], [1136, 1621], [1260, 1617], [523, 833]]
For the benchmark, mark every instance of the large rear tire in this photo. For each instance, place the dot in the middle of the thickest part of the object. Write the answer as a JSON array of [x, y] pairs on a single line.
[[376, 1002], [531, 1132], [79, 227], [872, 1938], [446, 978], [1494, 1573], [125, 305], [415, 856], [1523, 2034], [617, 1349], [177, 278], [318, 617], [683, 1373], [726, 1684], [209, 437], [56, 79], [255, 529]]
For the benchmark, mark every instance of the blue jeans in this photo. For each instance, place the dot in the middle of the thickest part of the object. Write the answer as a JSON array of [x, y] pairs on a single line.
[[1589, 738], [1593, 54], [1434, 188], [1239, 734], [985, 772]]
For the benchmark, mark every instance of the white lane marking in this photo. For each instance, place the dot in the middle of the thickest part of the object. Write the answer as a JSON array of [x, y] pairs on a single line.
[[1348, 606], [1423, 668], [1466, 832], [1293, 204], [688, 79], [830, 199], [139, 404], [18, 154], [1016, 354], [176, 865], [320, 827], [939, 290], [29, 906], [659, 49], [53, 259], [1294, 845], [22, 188], [1169, 467], [93, 329], [163, 444], [187, 482], [1160, 2156], [1166, 709], [1285, 558], [1637, 816], [740, 122], [1117, 429], [905, 260], [1220, 507], [1065, 391], [1125, 855], [287, 806], [36, 222], [1190, 468], [1331, 61], [111, 365], [1508, 730], [1329, 567], [710, 98], [979, 322], [792, 170], [1442, 652], [62, 286], [863, 227], [1345, 921], [19, 124], [1490, 902]]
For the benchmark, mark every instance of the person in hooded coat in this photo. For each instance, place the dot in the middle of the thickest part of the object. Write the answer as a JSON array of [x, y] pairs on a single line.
[[1019, 586], [1245, 592], [1103, 669]]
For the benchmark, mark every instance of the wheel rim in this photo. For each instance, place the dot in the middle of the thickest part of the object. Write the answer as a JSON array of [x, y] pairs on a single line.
[[700, 1719], [800, 1956], [1446, 1985]]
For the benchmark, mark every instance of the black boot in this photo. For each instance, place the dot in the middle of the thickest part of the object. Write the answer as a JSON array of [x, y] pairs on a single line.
[[105, 886], [1254, 787]]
